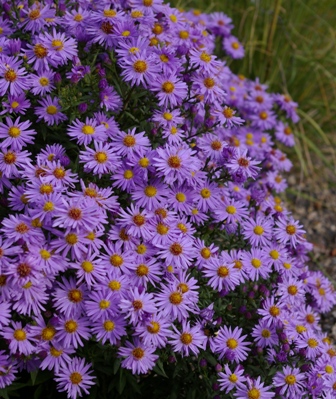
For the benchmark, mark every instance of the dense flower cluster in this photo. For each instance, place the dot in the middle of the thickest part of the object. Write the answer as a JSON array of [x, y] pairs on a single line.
[[139, 183]]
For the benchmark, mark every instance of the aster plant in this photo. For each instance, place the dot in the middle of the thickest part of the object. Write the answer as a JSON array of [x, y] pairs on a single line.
[[145, 249]]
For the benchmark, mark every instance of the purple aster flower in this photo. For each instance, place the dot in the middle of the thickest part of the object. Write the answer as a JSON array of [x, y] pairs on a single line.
[[42, 83], [138, 357], [5, 314], [289, 231], [178, 252], [100, 160], [74, 378], [256, 264], [69, 297], [253, 390], [264, 334], [290, 382], [110, 99], [259, 231], [109, 329], [227, 117], [137, 305], [12, 77], [71, 331], [284, 134], [288, 105], [230, 344], [155, 331], [171, 90], [271, 311], [21, 339], [35, 18], [175, 164], [7, 370], [240, 162], [88, 131], [77, 214], [50, 111], [173, 302], [60, 47], [16, 104], [139, 68], [233, 47], [221, 272], [230, 380], [189, 341], [127, 144], [16, 134]]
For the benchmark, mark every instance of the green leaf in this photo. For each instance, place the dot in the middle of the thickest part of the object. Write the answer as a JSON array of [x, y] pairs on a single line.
[[116, 366], [158, 369], [122, 382]]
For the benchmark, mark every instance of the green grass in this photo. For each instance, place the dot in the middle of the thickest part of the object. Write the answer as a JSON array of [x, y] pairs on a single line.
[[290, 44]]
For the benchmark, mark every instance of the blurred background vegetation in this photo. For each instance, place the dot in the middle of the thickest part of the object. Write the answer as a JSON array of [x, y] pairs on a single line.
[[290, 45]]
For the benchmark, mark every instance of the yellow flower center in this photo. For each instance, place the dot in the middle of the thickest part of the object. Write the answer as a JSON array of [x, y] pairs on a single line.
[[101, 157], [174, 162], [51, 110], [114, 285], [57, 44], [176, 249], [10, 75], [175, 298], [253, 393], [76, 378], [205, 57], [265, 333], [48, 333], [233, 378], [128, 174], [75, 295], [274, 311], [142, 270], [14, 132], [129, 141], [45, 255], [116, 260], [87, 266], [186, 338], [150, 191], [140, 66], [141, 249], [274, 254], [258, 230], [40, 51], [164, 58], [235, 45], [228, 112], [232, 343], [223, 271], [184, 34], [209, 83], [34, 14], [109, 325], [292, 290], [20, 335], [153, 327], [168, 87], [205, 253], [44, 81], [104, 304], [138, 353], [290, 229], [88, 129], [70, 326], [144, 162], [256, 263]]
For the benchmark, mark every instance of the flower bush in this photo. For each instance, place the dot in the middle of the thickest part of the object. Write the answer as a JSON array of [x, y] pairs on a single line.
[[142, 234]]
